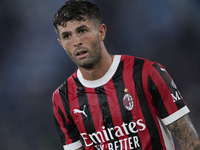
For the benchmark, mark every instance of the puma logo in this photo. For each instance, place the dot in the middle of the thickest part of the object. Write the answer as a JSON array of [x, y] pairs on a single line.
[[163, 70], [81, 111]]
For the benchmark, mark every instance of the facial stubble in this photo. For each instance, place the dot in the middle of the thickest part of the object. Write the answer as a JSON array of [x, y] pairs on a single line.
[[94, 56]]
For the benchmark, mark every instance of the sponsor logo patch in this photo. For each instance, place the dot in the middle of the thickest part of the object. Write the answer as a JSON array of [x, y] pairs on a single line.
[[105, 138]]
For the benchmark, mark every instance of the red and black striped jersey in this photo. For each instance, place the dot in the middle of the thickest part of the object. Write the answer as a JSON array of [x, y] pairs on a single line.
[[128, 108]]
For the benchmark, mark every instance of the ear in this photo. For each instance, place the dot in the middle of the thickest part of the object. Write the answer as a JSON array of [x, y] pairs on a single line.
[[60, 41], [102, 31]]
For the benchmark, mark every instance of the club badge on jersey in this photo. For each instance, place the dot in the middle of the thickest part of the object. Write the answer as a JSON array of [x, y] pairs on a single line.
[[128, 100]]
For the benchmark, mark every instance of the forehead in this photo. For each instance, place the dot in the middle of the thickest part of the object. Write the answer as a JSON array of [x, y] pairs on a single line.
[[73, 25]]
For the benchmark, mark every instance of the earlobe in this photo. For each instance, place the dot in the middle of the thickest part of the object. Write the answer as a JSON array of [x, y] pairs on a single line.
[[60, 41]]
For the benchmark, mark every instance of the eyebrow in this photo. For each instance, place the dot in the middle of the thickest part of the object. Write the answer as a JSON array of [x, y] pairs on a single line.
[[65, 33], [83, 26], [77, 29]]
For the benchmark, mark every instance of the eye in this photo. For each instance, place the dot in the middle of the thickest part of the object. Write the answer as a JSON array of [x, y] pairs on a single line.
[[66, 36], [82, 31]]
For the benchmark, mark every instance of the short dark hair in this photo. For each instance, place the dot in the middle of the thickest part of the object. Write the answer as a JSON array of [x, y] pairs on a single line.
[[77, 10]]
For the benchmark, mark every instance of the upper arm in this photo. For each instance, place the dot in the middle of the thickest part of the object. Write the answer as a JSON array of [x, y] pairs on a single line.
[[185, 133], [171, 108], [67, 130]]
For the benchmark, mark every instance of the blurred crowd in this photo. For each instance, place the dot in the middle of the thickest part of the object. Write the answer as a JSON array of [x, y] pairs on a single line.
[[33, 64]]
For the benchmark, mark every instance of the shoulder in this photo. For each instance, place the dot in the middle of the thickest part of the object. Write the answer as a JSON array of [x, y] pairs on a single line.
[[135, 58], [138, 62], [63, 88]]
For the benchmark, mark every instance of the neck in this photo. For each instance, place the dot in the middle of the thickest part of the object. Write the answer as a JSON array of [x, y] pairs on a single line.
[[100, 69]]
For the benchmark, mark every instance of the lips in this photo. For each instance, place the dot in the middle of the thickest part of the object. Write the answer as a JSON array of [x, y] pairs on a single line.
[[81, 54]]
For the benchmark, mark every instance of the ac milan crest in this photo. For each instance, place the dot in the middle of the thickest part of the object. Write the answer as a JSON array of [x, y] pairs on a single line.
[[128, 101]]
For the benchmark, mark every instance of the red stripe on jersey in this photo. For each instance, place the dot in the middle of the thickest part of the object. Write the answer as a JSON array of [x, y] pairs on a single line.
[[146, 67], [95, 111], [57, 102], [115, 108], [95, 108], [164, 91], [74, 105], [129, 85], [177, 98]]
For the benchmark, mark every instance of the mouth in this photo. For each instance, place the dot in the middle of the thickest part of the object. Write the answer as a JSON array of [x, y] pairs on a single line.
[[81, 54]]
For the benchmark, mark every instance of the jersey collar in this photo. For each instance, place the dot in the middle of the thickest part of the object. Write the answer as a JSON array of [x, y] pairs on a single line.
[[104, 79]]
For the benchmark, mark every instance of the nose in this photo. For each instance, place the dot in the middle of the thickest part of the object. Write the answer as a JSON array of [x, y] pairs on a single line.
[[77, 41]]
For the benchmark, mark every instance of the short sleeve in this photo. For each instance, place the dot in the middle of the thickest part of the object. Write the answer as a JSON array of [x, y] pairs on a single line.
[[69, 135], [167, 100]]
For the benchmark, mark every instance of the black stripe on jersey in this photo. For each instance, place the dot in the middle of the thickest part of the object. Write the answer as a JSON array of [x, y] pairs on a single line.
[[158, 101], [171, 85], [63, 92], [105, 110], [83, 100], [151, 125], [119, 88], [61, 133]]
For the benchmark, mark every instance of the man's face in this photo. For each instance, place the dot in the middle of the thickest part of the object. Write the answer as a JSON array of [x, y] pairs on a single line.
[[82, 42]]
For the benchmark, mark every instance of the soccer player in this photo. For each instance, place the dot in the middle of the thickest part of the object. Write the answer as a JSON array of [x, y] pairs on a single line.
[[114, 102]]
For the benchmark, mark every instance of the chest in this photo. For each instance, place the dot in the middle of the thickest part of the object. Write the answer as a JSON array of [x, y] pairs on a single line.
[[114, 104]]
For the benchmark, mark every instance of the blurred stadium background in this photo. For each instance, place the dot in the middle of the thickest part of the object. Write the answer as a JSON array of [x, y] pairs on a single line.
[[33, 64]]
